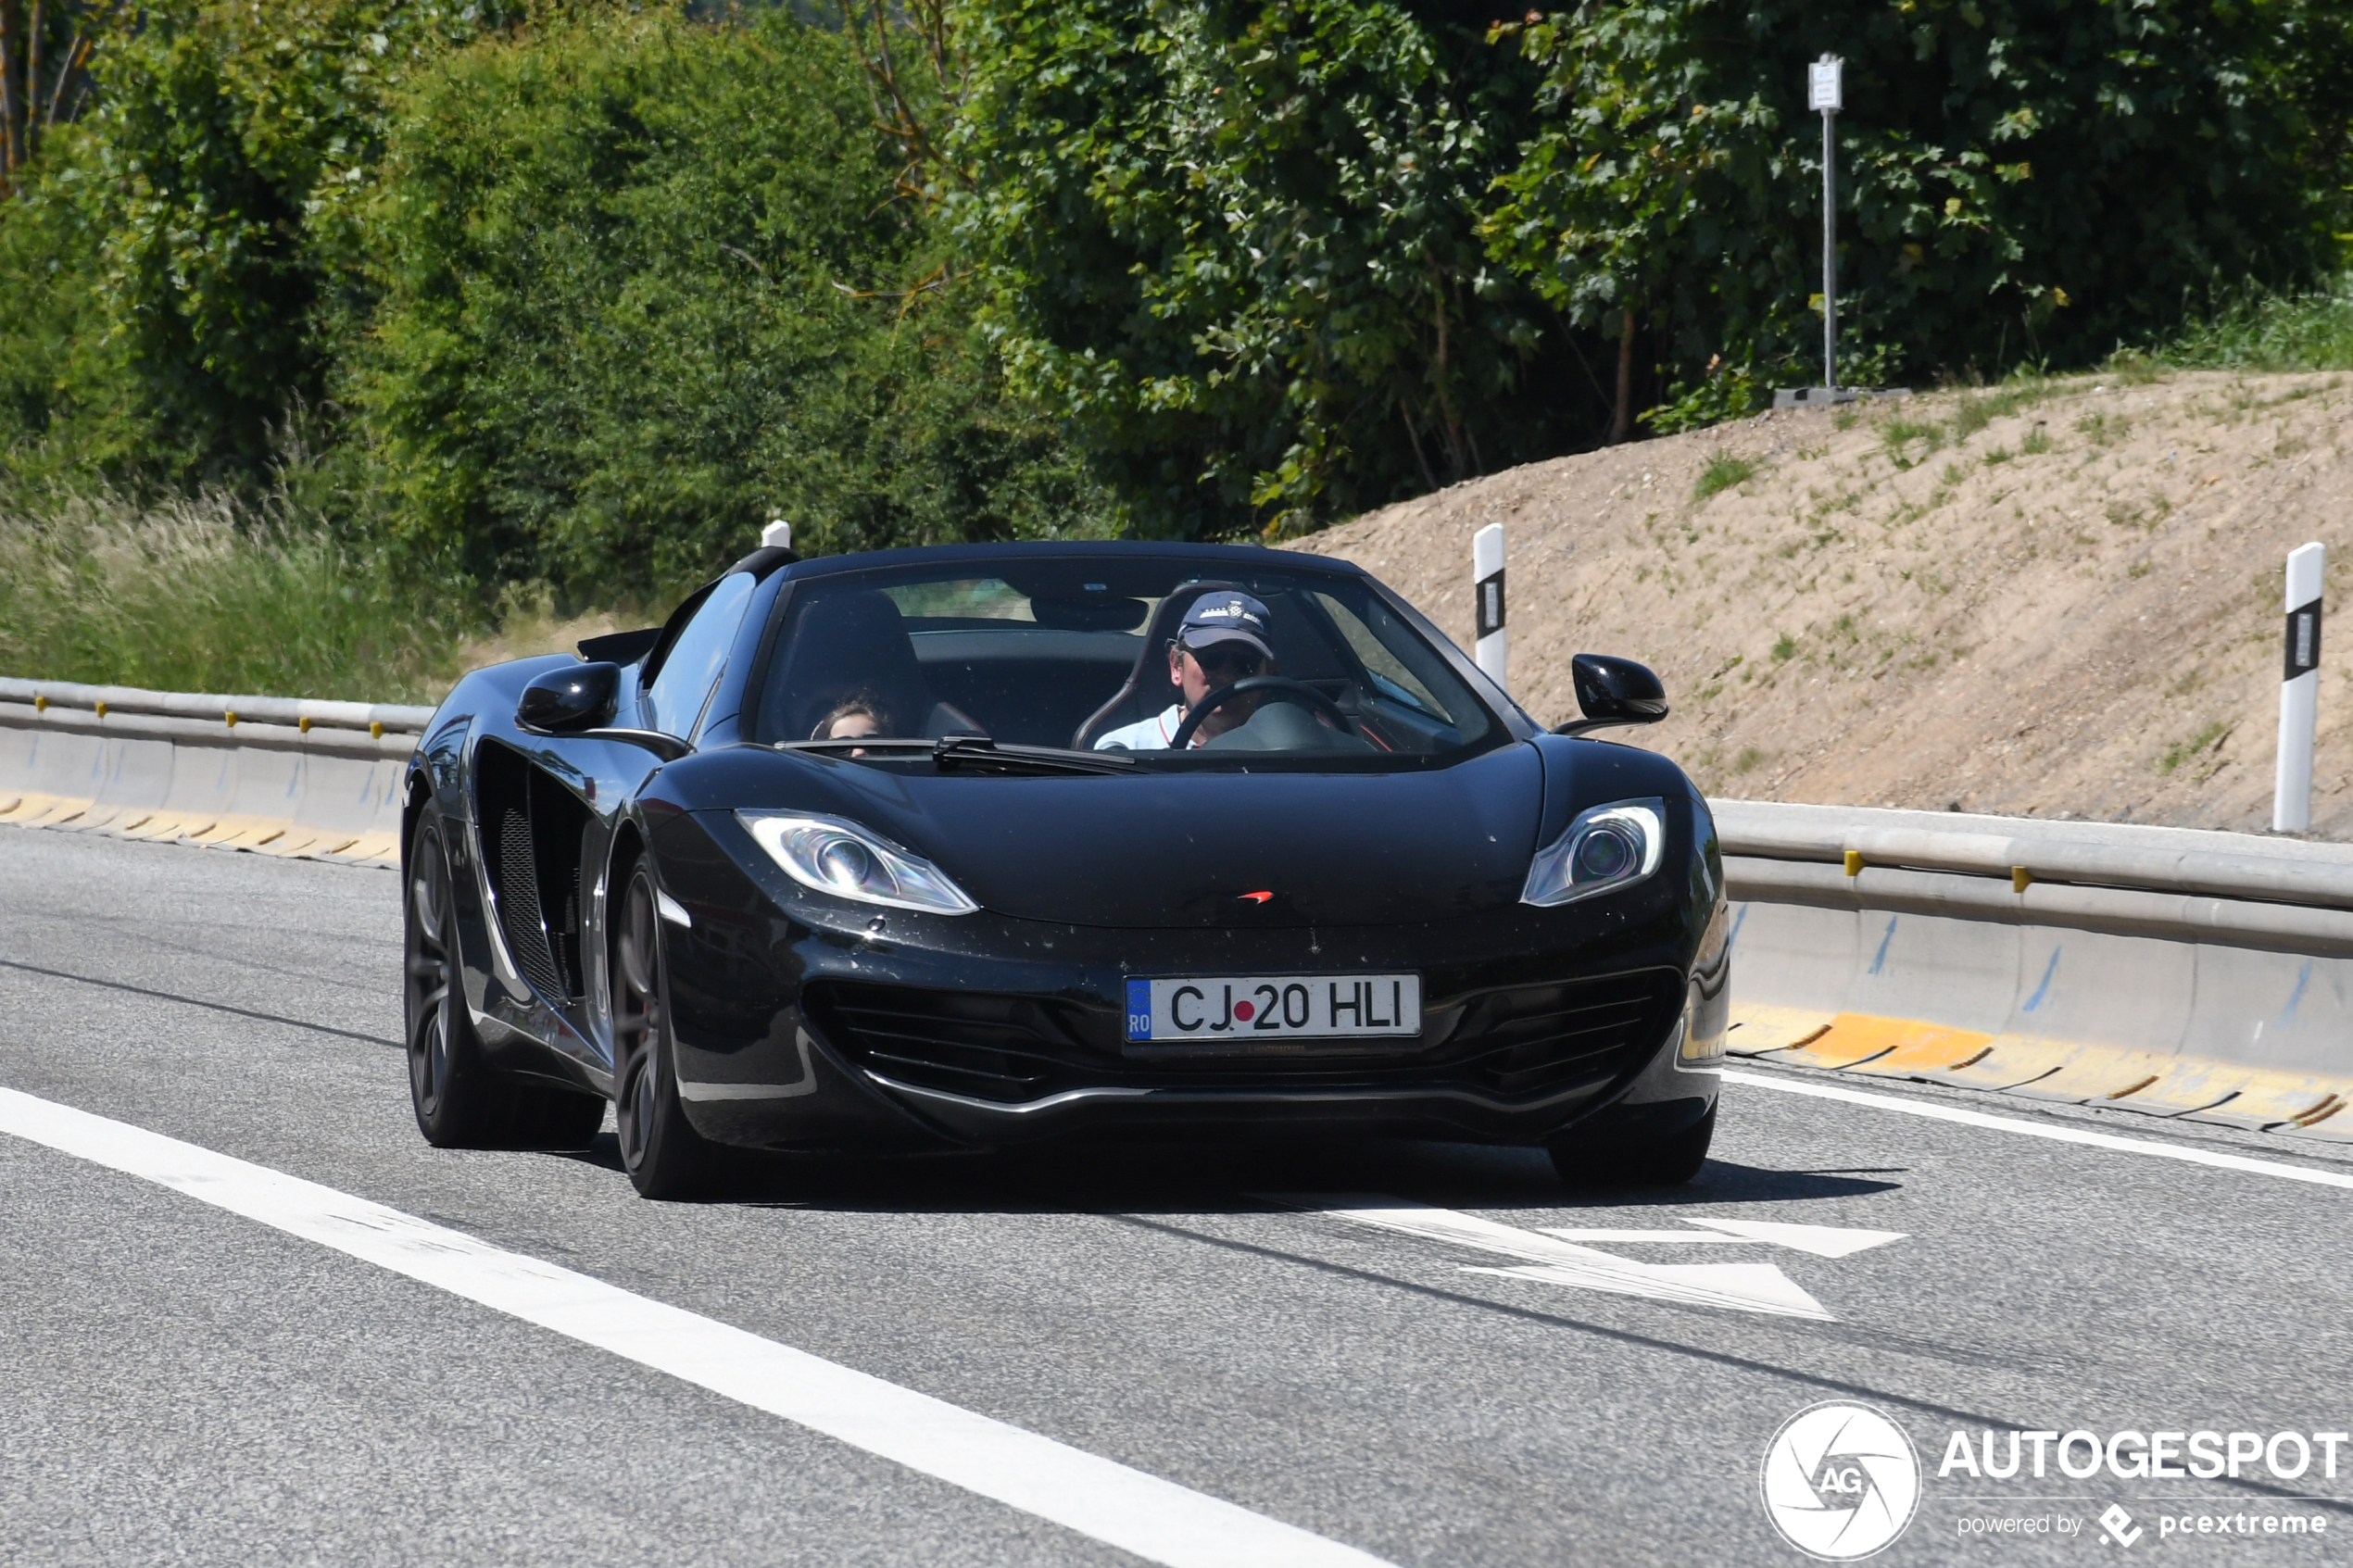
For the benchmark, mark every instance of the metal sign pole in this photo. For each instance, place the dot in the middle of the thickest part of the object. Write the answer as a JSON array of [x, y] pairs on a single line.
[[1826, 94], [1825, 90]]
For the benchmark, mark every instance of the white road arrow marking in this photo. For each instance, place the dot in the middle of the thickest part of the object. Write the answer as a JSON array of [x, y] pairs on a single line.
[[1710, 1237], [1823, 1241], [1748, 1287]]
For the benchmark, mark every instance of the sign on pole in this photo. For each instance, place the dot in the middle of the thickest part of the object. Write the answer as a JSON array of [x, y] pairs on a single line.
[[1487, 595], [2299, 692], [1826, 92], [1824, 88]]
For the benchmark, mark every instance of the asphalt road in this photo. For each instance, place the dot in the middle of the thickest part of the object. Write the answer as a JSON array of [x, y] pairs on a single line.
[[180, 1383]]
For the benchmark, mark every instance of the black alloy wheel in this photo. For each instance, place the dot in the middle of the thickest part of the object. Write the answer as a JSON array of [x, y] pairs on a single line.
[[664, 1156], [456, 1099], [1666, 1161], [460, 1100]]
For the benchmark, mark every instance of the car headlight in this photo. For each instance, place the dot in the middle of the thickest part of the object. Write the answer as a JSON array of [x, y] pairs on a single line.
[[840, 858], [1607, 847]]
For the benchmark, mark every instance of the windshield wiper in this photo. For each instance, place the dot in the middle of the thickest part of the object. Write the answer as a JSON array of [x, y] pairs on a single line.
[[858, 743], [977, 752]]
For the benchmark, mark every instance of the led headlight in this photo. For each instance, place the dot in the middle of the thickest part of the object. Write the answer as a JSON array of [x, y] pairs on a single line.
[[1607, 847], [840, 858]]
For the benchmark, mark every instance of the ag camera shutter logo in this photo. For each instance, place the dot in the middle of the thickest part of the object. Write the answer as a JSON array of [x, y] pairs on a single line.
[[1840, 1481]]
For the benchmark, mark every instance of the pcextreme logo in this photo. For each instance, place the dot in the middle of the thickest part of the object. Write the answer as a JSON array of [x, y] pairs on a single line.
[[1840, 1481]]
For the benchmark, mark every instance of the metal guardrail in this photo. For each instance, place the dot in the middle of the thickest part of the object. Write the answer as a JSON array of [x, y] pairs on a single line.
[[1754, 828], [345, 728], [279, 775], [2073, 952], [2273, 892]]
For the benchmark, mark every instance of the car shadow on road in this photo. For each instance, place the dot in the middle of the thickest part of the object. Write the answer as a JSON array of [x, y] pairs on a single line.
[[1209, 1177]]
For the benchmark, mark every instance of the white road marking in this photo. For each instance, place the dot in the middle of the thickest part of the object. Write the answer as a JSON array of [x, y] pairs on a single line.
[[1705, 1238], [1823, 1241], [1156, 1519], [2057, 1132], [1747, 1287]]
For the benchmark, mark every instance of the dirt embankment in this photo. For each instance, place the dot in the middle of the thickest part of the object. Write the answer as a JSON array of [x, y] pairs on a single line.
[[2056, 600]]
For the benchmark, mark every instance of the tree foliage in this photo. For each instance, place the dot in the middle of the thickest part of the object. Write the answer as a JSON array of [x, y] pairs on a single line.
[[2020, 179], [581, 291], [640, 290], [1236, 243], [180, 257], [44, 73]]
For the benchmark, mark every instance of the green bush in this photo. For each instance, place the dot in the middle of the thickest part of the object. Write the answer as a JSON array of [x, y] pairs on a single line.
[[2021, 180], [1236, 244], [641, 288], [175, 279]]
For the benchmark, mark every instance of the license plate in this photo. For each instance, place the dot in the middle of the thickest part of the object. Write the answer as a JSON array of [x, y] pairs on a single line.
[[1260, 1010]]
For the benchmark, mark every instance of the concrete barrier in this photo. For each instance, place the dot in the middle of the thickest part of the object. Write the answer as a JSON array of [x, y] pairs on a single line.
[[2198, 974], [277, 775]]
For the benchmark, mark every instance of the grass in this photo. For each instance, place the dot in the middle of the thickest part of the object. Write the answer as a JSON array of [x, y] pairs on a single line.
[[2258, 332], [2182, 751], [1972, 415], [1723, 471], [211, 593], [1897, 435]]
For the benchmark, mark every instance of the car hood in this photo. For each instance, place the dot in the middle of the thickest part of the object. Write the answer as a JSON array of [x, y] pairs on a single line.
[[1198, 849]]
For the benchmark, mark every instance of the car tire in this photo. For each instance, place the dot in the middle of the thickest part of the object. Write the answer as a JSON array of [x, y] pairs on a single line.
[[665, 1157], [460, 1100], [1668, 1162]]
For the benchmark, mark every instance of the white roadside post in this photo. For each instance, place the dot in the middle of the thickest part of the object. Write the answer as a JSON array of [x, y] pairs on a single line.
[[1487, 595], [777, 535], [2299, 692]]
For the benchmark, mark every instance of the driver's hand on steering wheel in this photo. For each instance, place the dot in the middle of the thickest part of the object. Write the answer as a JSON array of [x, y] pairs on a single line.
[[1201, 671]]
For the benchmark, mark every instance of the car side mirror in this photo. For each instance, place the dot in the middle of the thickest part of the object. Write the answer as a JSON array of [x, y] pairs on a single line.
[[1613, 691], [566, 702]]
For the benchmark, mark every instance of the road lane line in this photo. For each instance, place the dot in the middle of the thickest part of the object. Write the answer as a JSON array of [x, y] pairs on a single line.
[[1156, 1519], [2056, 1134]]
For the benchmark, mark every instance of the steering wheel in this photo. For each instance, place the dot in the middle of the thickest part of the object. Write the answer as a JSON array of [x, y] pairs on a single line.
[[1246, 686]]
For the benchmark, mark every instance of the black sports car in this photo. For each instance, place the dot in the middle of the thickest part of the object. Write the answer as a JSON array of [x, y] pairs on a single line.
[[946, 847]]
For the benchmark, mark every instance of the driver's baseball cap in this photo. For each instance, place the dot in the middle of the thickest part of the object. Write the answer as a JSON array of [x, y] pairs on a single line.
[[1224, 616]]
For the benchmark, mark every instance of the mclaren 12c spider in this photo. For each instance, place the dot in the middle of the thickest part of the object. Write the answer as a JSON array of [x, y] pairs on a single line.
[[971, 846]]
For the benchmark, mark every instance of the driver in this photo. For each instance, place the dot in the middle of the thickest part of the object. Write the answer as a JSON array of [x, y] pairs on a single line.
[[1221, 640]]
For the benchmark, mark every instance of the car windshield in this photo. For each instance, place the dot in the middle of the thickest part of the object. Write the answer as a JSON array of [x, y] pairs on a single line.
[[1113, 658]]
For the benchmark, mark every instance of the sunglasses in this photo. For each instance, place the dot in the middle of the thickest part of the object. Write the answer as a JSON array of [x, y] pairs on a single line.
[[1241, 661]]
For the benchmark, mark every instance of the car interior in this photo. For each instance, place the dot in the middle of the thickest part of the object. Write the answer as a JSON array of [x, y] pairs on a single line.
[[1063, 664]]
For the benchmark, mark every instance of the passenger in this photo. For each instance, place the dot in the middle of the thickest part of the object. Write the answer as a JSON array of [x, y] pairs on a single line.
[[1221, 640], [854, 718]]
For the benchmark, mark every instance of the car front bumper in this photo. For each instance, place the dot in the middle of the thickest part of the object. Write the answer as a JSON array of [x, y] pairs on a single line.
[[804, 1021]]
